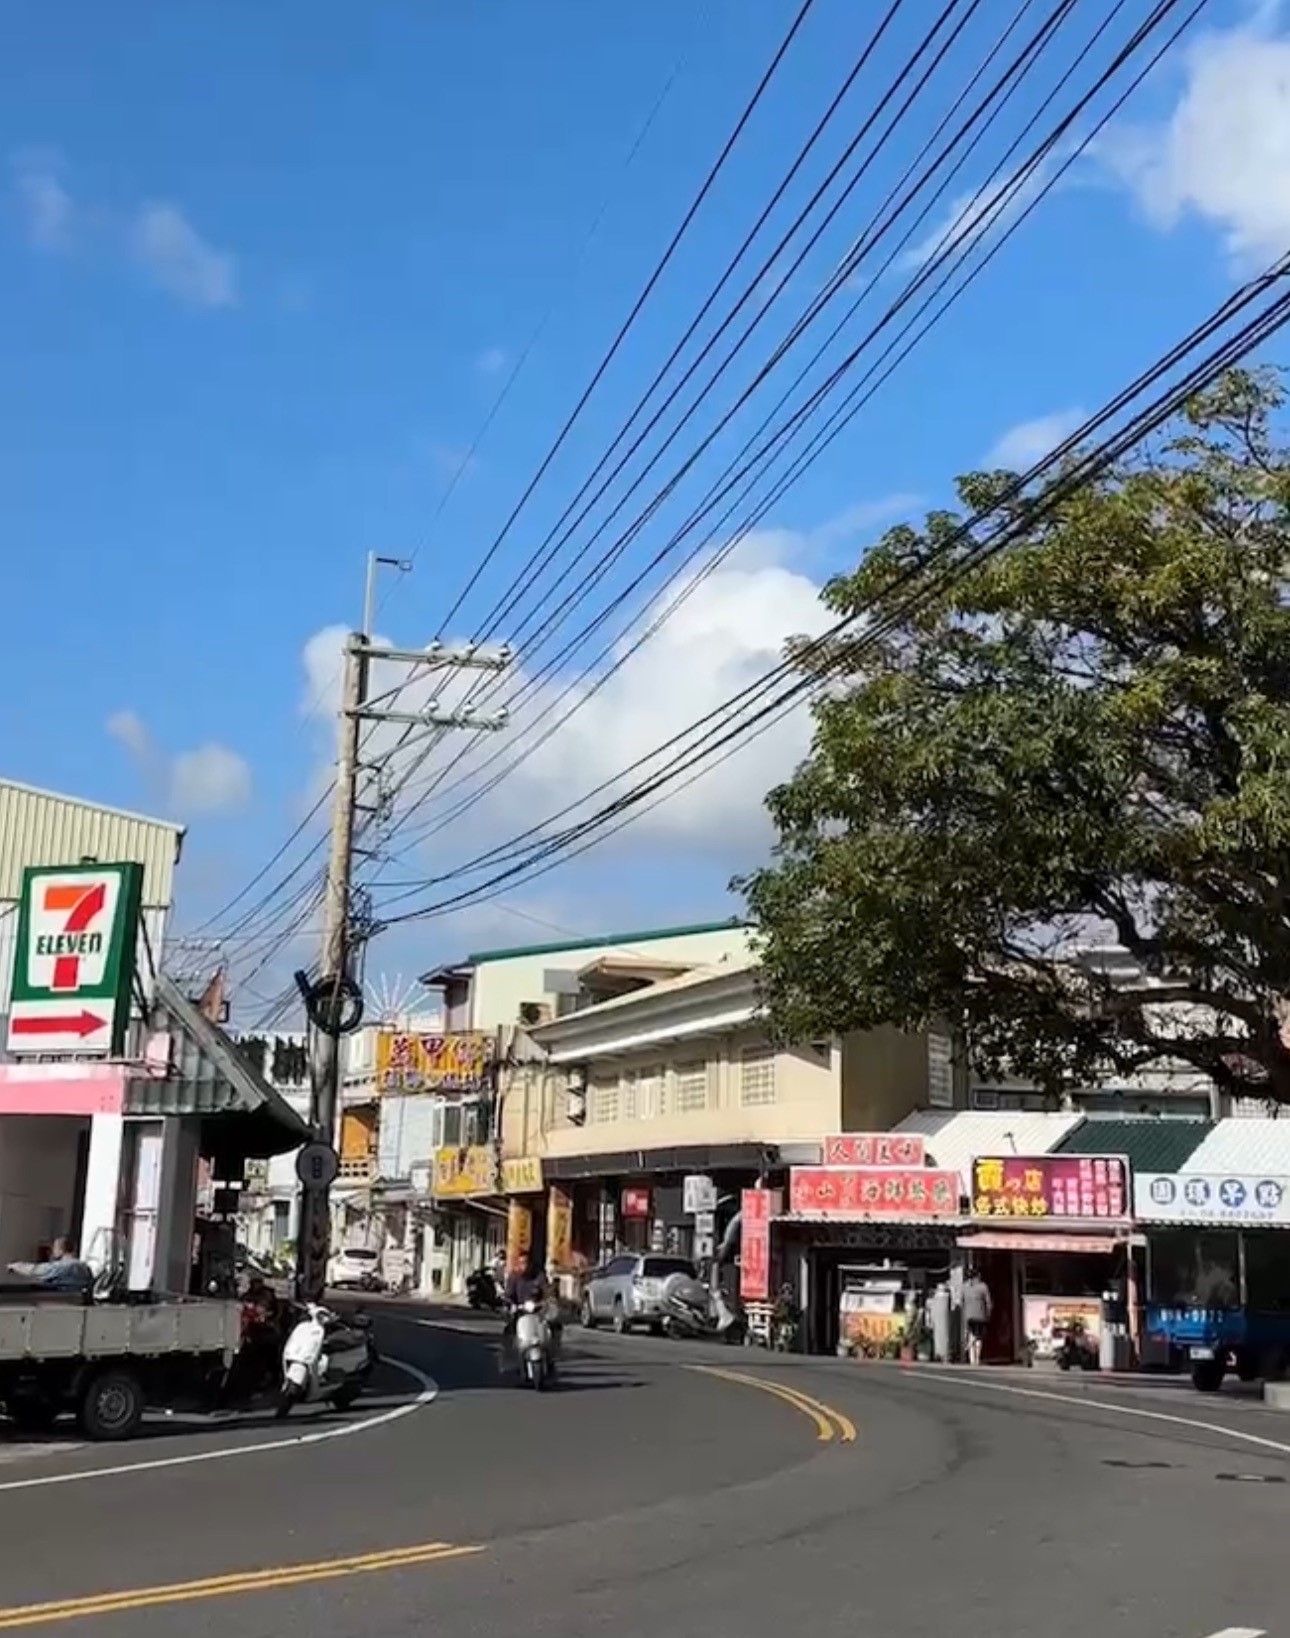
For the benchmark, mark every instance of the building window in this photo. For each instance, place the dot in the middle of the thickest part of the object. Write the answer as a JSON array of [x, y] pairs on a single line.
[[651, 1095], [757, 1075], [604, 1101], [691, 1087], [627, 1094]]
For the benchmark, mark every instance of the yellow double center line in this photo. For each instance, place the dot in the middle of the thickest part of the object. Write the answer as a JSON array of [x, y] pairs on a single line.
[[829, 1423], [224, 1586]]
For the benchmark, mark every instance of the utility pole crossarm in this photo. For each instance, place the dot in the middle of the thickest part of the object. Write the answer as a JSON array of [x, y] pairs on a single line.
[[435, 715], [445, 656]]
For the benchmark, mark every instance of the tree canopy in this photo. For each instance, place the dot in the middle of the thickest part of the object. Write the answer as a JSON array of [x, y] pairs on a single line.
[[1082, 740]]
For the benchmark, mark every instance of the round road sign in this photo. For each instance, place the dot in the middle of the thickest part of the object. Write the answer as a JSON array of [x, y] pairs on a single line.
[[317, 1165]]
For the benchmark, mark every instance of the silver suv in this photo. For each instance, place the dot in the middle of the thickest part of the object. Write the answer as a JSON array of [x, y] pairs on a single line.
[[628, 1290]]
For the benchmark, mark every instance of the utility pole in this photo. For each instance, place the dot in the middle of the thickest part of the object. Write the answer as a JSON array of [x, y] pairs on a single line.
[[333, 1000]]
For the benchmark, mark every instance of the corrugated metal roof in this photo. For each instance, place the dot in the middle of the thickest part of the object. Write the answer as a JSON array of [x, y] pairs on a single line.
[[209, 1076], [1149, 1144], [954, 1137], [39, 827], [1245, 1147]]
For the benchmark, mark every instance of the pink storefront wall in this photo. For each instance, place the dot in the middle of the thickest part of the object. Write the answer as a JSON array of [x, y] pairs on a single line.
[[62, 1089]]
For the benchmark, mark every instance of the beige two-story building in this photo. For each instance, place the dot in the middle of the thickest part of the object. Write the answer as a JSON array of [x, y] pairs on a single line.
[[609, 1109]]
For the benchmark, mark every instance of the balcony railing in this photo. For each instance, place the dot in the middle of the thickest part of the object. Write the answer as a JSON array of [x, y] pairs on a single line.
[[361, 1170]]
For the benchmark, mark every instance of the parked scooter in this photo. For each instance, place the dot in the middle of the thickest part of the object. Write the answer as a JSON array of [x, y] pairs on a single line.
[[533, 1347], [325, 1358], [693, 1309], [1075, 1350], [481, 1290]]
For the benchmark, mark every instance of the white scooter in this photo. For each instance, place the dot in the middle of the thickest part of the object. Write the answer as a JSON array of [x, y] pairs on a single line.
[[533, 1348], [325, 1358]]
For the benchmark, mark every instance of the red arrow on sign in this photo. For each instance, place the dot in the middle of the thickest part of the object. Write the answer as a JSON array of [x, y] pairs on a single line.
[[81, 1023]]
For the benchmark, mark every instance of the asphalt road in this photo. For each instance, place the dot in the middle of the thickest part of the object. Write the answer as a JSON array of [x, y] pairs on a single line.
[[652, 1494]]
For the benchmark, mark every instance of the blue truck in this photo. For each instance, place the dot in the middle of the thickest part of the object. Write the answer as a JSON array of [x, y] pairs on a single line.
[[1253, 1342]]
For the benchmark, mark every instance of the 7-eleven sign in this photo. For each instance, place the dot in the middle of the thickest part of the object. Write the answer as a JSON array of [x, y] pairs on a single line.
[[74, 960]]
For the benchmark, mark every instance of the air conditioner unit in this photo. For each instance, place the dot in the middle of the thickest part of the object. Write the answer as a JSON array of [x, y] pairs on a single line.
[[534, 1012]]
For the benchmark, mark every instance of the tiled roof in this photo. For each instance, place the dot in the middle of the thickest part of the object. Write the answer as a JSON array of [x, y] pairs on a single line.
[[955, 1137], [1151, 1144]]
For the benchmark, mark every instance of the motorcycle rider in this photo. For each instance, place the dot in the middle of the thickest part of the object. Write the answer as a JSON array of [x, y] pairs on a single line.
[[526, 1283]]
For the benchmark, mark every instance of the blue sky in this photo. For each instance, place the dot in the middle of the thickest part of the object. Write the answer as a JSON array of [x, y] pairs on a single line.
[[265, 270]]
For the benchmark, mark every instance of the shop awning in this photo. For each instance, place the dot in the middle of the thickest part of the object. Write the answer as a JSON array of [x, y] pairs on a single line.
[[1150, 1143], [697, 1157], [243, 1117], [994, 1240]]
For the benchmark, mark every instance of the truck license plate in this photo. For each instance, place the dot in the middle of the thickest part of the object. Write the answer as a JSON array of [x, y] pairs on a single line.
[[1202, 1353]]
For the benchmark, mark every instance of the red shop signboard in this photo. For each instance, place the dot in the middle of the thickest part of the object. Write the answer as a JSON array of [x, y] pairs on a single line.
[[635, 1202], [756, 1207], [873, 1191], [1050, 1187], [875, 1149]]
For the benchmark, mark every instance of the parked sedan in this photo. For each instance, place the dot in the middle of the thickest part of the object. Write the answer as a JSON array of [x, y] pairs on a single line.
[[628, 1291], [356, 1268]]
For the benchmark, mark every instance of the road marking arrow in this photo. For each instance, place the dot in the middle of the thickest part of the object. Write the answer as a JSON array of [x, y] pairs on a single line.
[[81, 1023]]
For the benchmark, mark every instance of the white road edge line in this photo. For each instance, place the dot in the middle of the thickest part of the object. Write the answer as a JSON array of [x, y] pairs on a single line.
[[1240, 1632], [429, 1393], [1121, 1410]]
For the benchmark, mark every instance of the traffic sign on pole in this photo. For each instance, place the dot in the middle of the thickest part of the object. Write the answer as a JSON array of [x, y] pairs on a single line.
[[317, 1165]]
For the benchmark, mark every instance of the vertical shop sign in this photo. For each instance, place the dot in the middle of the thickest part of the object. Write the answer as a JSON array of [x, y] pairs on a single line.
[[559, 1228], [757, 1207], [519, 1233]]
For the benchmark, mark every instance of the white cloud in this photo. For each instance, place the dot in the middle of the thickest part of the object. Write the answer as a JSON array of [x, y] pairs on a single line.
[[492, 361], [1223, 153], [166, 243], [156, 235], [208, 779], [452, 464], [984, 211], [129, 729], [728, 633], [1021, 446], [47, 207]]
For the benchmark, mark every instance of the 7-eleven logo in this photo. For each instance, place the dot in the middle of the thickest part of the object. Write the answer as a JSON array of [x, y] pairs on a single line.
[[71, 924]]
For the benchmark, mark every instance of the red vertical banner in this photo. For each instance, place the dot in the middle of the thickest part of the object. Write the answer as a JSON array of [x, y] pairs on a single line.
[[757, 1207]]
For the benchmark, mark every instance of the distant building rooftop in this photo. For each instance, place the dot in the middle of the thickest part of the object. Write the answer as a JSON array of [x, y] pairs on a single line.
[[437, 976]]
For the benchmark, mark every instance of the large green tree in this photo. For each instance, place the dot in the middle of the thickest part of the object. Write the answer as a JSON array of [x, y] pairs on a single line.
[[1083, 740]]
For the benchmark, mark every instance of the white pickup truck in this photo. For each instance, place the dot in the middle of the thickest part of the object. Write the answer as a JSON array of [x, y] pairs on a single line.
[[108, 1362]]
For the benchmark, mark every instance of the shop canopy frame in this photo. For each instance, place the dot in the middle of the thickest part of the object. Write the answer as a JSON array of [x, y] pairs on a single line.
[[243, 1117]]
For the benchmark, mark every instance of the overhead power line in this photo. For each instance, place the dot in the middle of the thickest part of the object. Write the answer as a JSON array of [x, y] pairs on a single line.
[[866, 242], [952, 253], [732, 723]]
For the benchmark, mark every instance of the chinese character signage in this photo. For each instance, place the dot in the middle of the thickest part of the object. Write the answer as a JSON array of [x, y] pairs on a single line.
[[459, 1172], [756, 1207], [1211, 1197], [1051, 1187], [875, 1149], [411, 1062], [522, 1175], [559, 1229], [873, 1191]]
